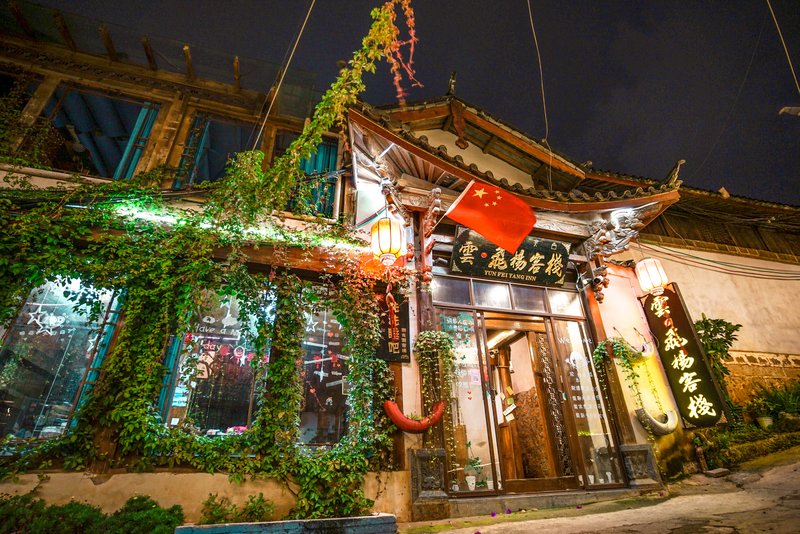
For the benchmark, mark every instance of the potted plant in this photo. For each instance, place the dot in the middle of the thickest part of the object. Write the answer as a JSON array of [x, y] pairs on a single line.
[[472, 469], [759, 409]]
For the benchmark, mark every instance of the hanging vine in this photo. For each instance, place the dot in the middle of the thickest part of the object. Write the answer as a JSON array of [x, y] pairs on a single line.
[[86, 231]]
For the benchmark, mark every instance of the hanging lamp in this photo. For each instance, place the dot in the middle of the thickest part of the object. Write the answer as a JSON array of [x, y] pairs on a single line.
[[388, 240], [651, 275]]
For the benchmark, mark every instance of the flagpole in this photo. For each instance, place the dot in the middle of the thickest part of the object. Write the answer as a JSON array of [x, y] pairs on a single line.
[[453, 205]]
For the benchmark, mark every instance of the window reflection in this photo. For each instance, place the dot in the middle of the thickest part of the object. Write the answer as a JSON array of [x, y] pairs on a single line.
[[44, 359], [323, 416], [451, 290], [564, 303], [491, 295], [528, 298], [217, 374]]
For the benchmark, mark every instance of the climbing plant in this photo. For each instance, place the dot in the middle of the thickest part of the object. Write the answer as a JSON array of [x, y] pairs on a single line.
[[626, 356], [126, 237], [717, 337]]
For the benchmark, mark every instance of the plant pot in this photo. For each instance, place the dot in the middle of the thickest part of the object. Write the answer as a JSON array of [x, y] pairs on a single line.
[[489, 484], [764, 421], [470, 482]]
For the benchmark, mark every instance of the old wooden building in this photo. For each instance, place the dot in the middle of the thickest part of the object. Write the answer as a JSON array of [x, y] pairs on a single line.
[[532, 411]]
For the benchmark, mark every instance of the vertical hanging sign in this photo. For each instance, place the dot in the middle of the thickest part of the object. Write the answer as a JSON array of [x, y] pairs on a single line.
[[685, 363], [394, 345]]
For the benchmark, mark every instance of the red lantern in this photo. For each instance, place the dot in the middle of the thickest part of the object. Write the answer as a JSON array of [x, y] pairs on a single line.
[[388, 240]]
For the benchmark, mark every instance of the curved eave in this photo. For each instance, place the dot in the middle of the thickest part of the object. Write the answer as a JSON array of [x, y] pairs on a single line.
[[542, 199]]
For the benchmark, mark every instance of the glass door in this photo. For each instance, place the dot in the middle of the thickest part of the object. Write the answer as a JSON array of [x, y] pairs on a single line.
[[598, 453], [470, 448], [535, 449]]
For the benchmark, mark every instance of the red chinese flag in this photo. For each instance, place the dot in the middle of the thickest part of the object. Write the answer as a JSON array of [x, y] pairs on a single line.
[[496, 214]]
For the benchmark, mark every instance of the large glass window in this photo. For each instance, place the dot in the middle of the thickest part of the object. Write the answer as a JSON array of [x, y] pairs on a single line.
[[213, 388], [46, 358], [214, 391], [323, 414]]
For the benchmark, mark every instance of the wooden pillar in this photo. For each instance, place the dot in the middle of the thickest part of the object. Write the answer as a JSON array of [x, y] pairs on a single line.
[[36, 104], [164, 134]]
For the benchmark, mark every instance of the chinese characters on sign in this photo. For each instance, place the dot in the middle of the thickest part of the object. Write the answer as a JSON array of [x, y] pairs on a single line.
[[536, 261], [684, 361], [394, 346]]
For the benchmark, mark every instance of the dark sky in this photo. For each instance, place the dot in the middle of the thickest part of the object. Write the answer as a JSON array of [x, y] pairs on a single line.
[[631, 86]]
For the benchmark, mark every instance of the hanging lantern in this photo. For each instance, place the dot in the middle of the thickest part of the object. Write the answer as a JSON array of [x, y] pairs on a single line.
[[651, 275], [388, 240]]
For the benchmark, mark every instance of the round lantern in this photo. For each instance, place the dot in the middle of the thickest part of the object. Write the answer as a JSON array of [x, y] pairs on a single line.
[[388, 240], [651, 275]]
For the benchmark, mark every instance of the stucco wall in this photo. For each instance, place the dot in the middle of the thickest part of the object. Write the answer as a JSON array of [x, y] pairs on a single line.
[[768, 347], [473, 154], [390, 490], [623, 316]]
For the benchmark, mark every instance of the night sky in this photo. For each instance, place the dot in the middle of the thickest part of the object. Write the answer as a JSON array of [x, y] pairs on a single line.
[[631, 86]]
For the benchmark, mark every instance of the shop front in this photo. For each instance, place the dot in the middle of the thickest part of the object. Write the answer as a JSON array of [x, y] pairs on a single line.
[[529, 413]]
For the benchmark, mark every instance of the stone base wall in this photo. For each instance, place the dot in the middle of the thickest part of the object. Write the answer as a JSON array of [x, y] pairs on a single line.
[[751, 369]]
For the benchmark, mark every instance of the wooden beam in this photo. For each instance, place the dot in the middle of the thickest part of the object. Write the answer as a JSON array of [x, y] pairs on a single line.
[[237, 77], [526, 146], [109, 44], [21, 20], [148, 51], [58, 18], [187, 56], [489, 144]]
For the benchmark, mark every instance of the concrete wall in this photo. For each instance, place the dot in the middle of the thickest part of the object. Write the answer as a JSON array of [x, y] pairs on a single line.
[[390, 490]]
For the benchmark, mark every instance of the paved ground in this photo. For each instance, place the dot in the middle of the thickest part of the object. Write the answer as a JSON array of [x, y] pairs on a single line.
[[760, 496]]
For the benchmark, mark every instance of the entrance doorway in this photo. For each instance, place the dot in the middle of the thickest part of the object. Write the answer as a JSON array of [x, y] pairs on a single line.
[[529, 413], [529, 406]]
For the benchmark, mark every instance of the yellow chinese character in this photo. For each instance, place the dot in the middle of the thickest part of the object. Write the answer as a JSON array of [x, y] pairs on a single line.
[[682, 361], [699, 405], [467, 250], [536, 262], [498, 260], [518, 262], [689, 382], [555, 266], [659, 306], [394, 348], [673, 341]]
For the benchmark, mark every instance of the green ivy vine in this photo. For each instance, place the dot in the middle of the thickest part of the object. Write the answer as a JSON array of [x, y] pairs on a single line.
[[161, 267], [436, 358]]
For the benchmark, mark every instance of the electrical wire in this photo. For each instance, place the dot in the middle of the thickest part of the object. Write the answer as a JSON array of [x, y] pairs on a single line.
[[735, 100], [544, 101], [283, 75], [733, 269], [785, 49]]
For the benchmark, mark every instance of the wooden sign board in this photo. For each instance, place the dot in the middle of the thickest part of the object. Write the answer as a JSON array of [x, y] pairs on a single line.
[[685, 363], [536, 261]]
